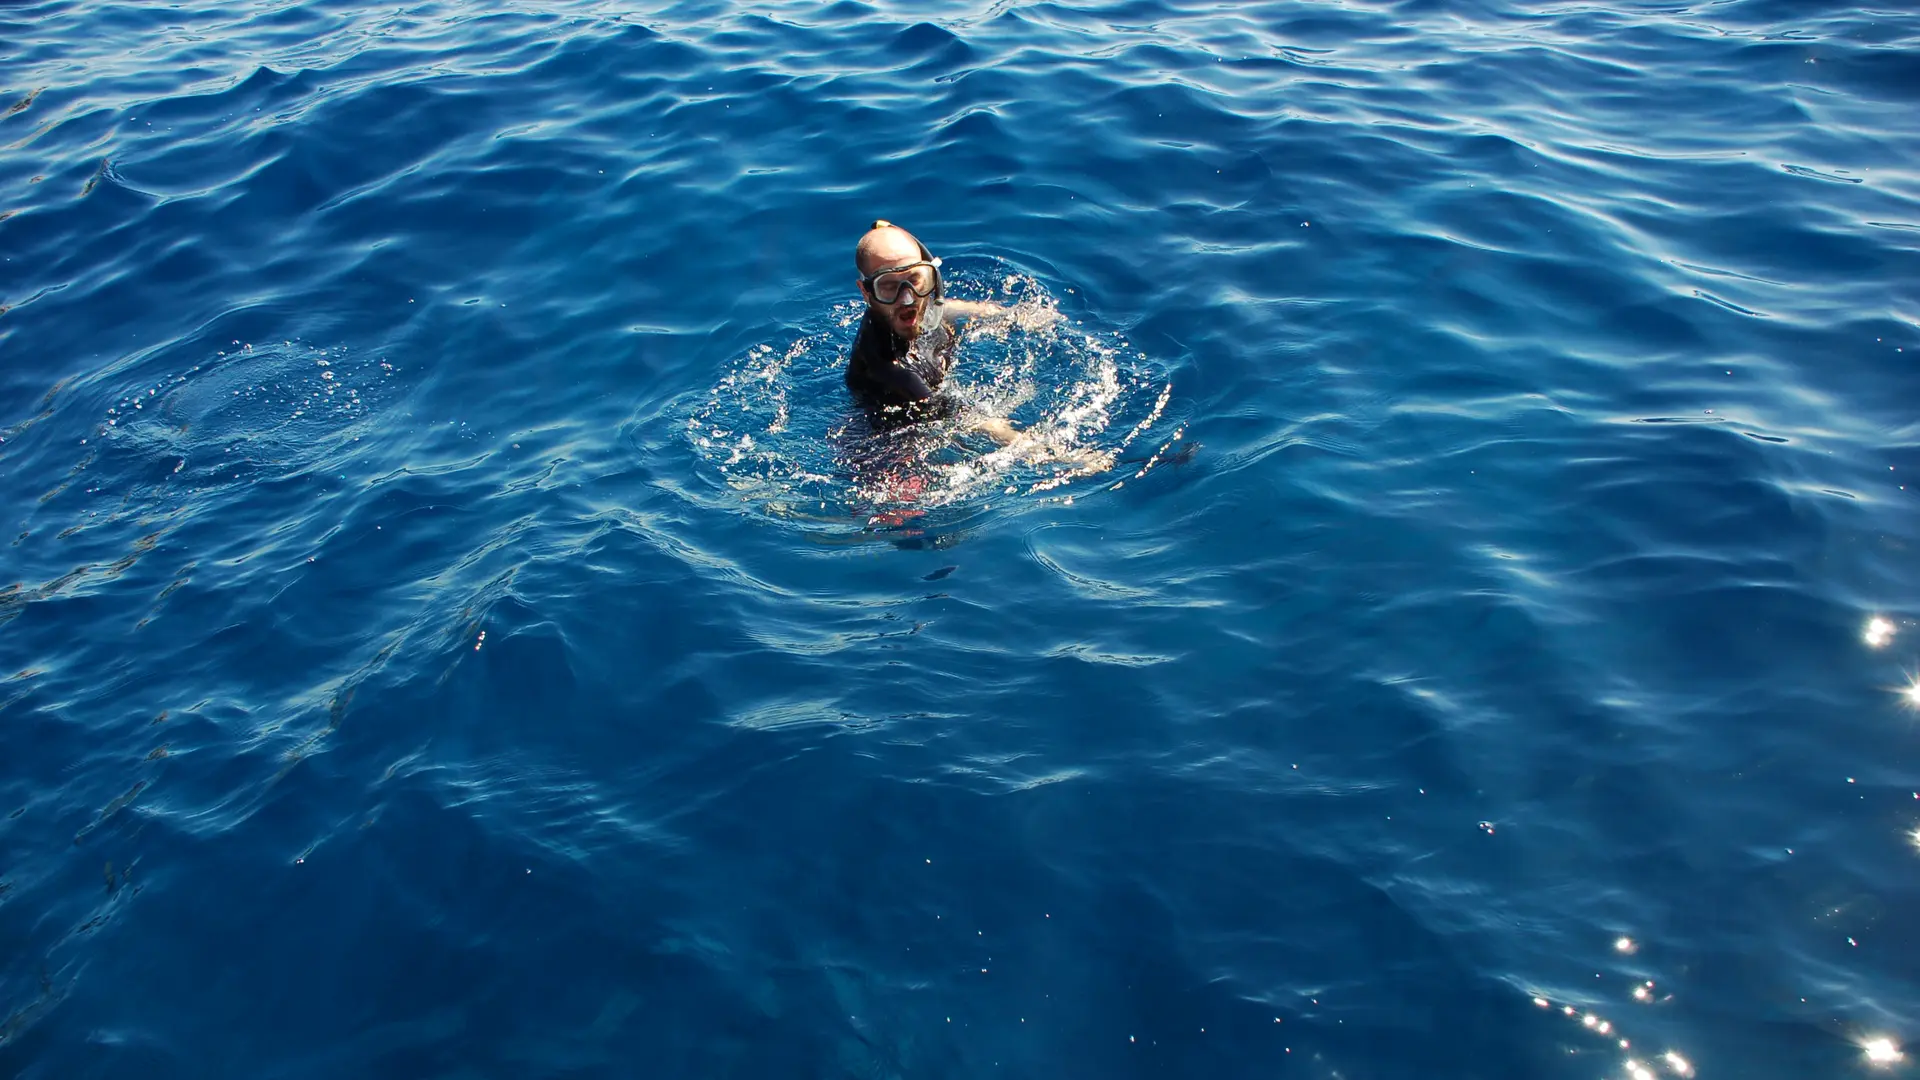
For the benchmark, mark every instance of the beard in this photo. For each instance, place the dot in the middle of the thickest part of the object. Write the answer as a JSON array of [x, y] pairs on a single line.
[[922, 316]]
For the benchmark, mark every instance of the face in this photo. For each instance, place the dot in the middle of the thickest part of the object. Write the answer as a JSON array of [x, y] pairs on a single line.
[[906, 315]]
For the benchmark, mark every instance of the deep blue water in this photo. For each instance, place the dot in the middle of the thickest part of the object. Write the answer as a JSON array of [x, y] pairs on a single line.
[[451, 627]]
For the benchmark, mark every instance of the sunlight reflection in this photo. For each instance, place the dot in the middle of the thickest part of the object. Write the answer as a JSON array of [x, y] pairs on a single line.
[[1625, 945], [1879, 631], [1882, 1051], [1674, 1064], [1912, 694]]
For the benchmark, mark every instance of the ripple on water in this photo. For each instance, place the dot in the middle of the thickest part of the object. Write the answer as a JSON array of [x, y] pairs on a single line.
[[251, 412], [230, 449]]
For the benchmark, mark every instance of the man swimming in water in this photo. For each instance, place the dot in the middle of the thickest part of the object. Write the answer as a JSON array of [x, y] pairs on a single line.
[[906, 342]]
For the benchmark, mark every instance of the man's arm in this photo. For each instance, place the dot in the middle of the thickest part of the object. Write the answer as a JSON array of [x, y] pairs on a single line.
[[975, 309], [1027, 314], [1033, 448], [901, 381]]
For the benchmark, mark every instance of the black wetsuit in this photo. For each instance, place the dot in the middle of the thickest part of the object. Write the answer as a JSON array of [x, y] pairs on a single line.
[[895, 378]]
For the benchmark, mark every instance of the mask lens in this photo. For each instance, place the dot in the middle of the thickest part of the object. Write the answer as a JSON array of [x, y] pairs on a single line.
[[916, 279]]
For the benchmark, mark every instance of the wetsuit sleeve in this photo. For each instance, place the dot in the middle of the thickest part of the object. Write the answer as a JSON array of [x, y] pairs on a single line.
[[901, 381]]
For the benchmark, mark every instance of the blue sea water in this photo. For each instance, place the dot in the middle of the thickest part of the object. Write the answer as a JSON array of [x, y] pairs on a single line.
[[1453, 616]]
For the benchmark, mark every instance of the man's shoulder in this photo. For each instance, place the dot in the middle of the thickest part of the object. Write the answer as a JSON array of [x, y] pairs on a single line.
[[869, 340]]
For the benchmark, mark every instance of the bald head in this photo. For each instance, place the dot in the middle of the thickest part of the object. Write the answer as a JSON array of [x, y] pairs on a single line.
[[886, 244]]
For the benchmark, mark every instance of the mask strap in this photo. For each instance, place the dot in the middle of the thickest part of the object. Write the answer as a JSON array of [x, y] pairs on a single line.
[[939, 284]]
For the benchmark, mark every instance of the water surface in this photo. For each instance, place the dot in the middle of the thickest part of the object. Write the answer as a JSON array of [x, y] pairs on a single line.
[[444, 632]]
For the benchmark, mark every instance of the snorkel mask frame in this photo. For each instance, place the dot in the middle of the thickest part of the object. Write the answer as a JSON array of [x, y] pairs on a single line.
[[927, 259]]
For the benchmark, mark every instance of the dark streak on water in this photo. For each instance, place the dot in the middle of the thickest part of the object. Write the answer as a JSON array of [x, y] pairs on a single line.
[[399, 678]]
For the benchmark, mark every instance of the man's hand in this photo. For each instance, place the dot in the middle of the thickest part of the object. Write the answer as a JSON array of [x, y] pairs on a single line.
[[1034, 316], [996, 428]]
